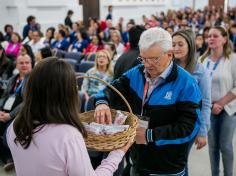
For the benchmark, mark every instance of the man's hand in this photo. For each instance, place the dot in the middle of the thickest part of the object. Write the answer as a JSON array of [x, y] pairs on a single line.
[[200, 142], [103, 114], [216, 109], [4, 117], [141, 135]]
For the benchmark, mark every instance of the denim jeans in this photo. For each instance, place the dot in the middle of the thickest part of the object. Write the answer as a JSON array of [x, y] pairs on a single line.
[[220, 139]]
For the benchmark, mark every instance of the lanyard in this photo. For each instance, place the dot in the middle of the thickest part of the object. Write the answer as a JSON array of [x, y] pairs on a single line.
[[145, 90], [215, 65], [17, 89]]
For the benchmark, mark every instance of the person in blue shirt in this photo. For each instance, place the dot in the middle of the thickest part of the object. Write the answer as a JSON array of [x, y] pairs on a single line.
[[61, 42], [165, 98], [80, 43], [184, 49]]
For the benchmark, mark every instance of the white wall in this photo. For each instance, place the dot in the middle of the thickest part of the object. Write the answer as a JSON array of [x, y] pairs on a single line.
[[47, 12], [132, 9], [52, 12], [136, 8]]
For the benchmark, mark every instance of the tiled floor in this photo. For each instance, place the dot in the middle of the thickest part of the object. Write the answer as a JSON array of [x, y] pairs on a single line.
[[199, 164]]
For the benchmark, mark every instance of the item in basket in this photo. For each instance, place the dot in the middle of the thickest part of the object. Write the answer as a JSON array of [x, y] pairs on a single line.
[[104, 129], [120, 118], [92, 129], [112, 129]]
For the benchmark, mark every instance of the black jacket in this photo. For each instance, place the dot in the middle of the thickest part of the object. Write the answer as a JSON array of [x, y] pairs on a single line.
[[174, 112]]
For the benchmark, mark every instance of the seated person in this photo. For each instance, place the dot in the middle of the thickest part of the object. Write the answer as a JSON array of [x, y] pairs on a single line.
[[42, 54], [102, 69], [61, 41], [80, 43], [95, 45], [10, 100]]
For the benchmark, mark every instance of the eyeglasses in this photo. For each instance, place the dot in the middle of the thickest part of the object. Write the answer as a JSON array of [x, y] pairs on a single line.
[[149, 60]]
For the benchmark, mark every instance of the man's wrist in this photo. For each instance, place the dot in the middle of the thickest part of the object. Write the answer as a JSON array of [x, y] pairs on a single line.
[[101, 102]]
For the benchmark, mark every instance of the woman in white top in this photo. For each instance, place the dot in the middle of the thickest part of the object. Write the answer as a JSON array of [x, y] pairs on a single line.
[[220, 62], [116, 39], [46, 138]]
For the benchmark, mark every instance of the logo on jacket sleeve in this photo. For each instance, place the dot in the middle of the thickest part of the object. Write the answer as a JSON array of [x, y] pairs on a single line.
[[168, 95]]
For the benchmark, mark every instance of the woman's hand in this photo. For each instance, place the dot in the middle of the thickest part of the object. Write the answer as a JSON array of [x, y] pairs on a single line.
[[127, 145], [200, 142], [216, 109]]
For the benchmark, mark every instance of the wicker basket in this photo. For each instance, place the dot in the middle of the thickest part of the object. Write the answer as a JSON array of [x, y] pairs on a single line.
[[114, 141]]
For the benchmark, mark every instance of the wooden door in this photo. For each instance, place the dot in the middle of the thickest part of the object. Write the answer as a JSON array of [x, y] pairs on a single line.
[[90, 9]]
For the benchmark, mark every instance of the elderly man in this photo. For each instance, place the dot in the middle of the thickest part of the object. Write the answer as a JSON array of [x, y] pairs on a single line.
[[165, 98], [9, 102]]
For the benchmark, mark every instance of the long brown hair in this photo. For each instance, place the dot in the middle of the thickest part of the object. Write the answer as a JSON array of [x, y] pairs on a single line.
[[50, 98], [227, 48], [189, 37]]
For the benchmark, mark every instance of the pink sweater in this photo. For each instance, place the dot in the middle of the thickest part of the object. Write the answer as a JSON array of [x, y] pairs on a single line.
[[58, 150], [13, 49]]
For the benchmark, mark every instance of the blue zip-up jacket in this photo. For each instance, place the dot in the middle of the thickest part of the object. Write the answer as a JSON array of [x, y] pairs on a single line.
[[174, 112]]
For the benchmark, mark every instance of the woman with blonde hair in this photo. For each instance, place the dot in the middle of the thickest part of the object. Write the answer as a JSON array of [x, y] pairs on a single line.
[[116, 39], [102, 69], [220, 62]]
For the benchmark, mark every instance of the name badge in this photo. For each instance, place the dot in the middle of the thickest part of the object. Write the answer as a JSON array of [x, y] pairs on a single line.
[[9, 103]]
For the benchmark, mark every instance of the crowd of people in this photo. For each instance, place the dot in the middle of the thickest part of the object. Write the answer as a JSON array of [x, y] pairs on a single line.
[[176, 69]]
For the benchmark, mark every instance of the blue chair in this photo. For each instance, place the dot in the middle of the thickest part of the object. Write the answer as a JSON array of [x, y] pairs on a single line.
[[76, 56], [60, 53], [89, 105], [85, 66], [72, 62]]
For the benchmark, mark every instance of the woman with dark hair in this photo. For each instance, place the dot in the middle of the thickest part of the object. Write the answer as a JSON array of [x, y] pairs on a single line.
[[49, 37], [220, 62], [95, 45], [26, 49], [184, 49], [80, 43], [13, 46], [42, 54], [46, 138]]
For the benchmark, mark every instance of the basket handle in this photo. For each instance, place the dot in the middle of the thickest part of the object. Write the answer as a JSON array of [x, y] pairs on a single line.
[[110, 86]]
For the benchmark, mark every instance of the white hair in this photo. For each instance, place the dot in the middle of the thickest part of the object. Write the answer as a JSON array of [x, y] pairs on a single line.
[[155, 36]]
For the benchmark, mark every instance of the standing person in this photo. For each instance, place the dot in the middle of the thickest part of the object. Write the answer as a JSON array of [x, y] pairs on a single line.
[[68, 21], [8, 28], [31, 25], [184, 49], [167, 99], [129, 59], [220, 62], [109, 15], [51, 139]]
